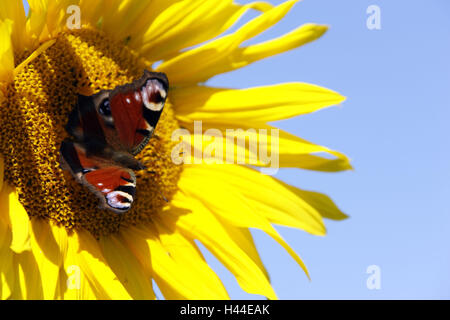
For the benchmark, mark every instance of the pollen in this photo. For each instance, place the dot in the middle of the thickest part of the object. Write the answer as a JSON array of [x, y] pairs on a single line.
[[32, 121]]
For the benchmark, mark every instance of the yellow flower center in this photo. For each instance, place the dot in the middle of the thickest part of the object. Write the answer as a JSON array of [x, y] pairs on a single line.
[[32, 121]]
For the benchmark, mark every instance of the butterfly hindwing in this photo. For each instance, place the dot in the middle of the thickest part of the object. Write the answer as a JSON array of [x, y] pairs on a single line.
[[115, 185]]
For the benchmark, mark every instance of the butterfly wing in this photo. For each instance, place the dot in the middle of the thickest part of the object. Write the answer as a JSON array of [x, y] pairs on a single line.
[[136, 109], [123, 118], [113, 184], [85, 124]]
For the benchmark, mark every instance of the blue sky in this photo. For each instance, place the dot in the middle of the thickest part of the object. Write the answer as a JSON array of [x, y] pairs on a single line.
[[394, 126]]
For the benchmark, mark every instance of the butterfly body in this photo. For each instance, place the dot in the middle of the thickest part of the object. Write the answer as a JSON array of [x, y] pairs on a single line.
[[109, 128]]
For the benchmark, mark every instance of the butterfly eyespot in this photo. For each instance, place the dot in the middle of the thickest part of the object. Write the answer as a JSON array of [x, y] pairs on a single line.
[[157, 98], [104, 108]]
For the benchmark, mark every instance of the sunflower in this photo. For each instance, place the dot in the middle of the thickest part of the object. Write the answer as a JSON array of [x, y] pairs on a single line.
[[55, 243]]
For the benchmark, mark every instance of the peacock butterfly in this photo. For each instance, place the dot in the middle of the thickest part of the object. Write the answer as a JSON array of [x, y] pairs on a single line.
[[109, 128]]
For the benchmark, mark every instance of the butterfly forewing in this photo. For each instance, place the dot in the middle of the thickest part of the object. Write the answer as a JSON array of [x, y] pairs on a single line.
[[136, 109]]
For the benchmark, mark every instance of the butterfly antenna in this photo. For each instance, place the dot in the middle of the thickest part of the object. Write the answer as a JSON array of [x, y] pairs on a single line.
[[164, 198], [164, 157]]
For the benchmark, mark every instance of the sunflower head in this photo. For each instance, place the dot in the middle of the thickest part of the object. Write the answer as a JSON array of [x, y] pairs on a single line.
[[32, 121], [51, 228]]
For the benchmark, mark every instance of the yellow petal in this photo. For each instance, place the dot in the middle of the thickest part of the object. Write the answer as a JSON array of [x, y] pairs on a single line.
[[58, 243], [137, 17], [296, 38], [2, 167], [320, 202], [198, 22], [36, 22], [48, 256], [56, 16], [4, 206], [316, 163], [7, 274], [91, 11], [165, 18], [14, 11], [127, 12], [50, 242], [126, 267], [28, 281], [217, 56], [6, 51], [20, 225], [270, 198], [260, 104], [197, 222], [244, 239], [82, 292], [34, 55], [73, 282], [175, 263], [185, 253], [14, 215], [244, 56], [238, 211], [58, 246], [253, 144], [84, 253]]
